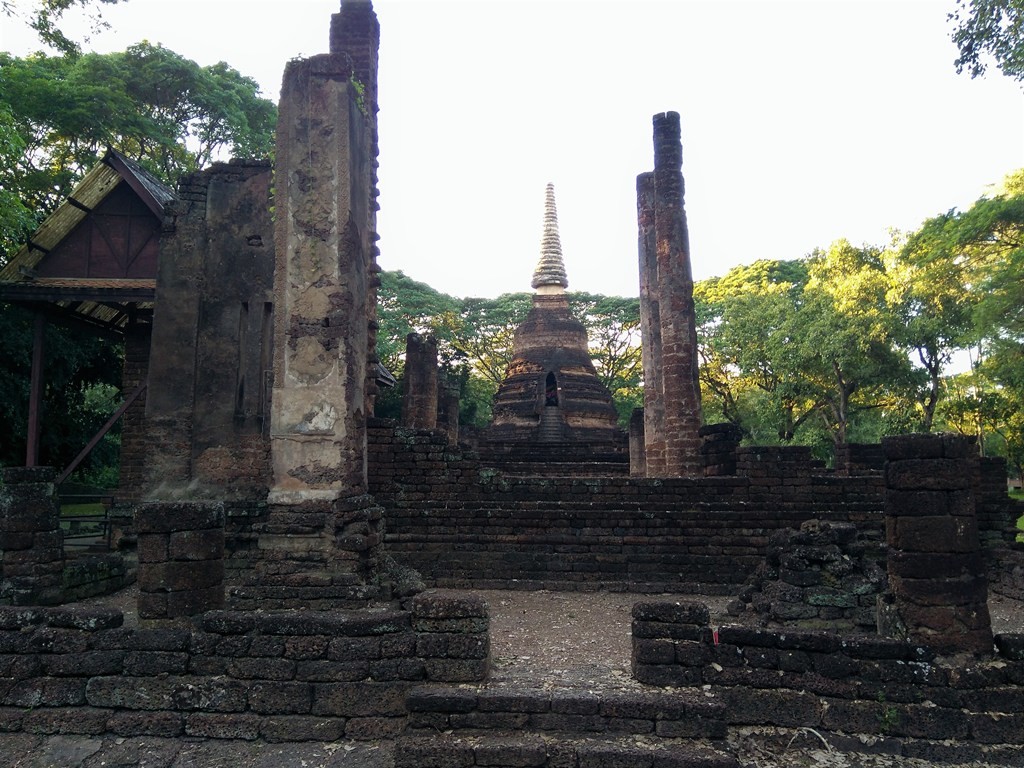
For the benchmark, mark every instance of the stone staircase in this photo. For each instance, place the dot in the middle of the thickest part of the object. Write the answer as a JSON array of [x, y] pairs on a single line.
[[521, 726], [550, 429]]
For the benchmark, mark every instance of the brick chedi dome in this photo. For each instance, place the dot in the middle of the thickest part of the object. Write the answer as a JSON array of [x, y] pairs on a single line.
[[551, 392]]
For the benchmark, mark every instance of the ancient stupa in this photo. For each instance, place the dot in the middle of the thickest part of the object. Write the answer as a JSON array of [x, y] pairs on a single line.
[[551, 392]]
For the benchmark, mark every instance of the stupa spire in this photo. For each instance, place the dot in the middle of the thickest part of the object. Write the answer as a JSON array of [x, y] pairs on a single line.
[[549, 276]]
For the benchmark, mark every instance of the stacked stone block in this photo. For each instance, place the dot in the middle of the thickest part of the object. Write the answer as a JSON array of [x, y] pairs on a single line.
[[181, 559], [859, 458], [862, 685], [826, 575], [997, 512], [275, 675], [718, 447], [313, 555], [31, 541], [452, 636], [937, 578]]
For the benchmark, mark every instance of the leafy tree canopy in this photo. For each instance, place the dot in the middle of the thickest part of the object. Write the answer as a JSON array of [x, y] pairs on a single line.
[[155, 106], [989, 31], [45, 16]]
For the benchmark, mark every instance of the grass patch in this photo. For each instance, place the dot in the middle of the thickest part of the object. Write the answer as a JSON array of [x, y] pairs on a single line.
[[78, 510]]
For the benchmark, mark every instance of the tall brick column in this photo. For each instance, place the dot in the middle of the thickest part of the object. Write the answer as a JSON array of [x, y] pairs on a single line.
[[31, 541], [321, 539], [653, 426], [324, 277], [181, 558], [937, 581], [419, 385], [672, 389]]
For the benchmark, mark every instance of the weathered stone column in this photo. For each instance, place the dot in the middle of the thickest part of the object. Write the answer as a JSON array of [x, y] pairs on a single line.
[[323, 280], [181, 558], [321, 539], [419, 385], [937, 581], [31, 540], [637, 453], [679, 384], [448, 412], [653, 431]]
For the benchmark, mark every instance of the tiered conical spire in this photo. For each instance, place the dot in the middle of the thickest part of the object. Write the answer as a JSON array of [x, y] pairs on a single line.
[[550, 271]]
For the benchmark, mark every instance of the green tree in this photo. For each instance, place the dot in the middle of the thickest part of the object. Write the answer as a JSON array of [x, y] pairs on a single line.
[[989, 31], [749, 367], [155, 106], [846, 337], [81, 371], [931, 297], [613, 330], [16, 220], [45, 17], [407, 306], [985, 244]]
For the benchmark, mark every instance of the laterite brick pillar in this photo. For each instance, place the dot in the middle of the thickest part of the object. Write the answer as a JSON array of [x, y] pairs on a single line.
[[419, 385], [939, 590], [181, 558], [667, 316], [637, 449], [31, 541]]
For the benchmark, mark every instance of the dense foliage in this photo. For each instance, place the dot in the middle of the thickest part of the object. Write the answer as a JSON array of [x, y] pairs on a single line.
[[989, 31], [58, 114]]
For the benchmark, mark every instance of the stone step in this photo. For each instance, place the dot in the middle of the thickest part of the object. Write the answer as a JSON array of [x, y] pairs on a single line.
[[554, 751], [657, 714]]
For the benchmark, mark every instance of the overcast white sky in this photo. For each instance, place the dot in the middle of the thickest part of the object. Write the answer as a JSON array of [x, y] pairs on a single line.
[[803, 121]]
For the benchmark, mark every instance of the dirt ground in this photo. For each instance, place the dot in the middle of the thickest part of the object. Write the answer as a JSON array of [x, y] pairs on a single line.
[[587, 635]]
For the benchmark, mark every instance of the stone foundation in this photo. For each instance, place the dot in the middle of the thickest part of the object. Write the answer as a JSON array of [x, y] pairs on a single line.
[[275, 675], [181, 559]]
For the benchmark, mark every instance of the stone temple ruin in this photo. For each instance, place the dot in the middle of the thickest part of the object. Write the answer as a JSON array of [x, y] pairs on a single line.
[[282, 536]]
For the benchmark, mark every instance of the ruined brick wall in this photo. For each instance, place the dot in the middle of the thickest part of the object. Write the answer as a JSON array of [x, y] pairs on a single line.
[[861, 684], [34, 569], [997, 513], [276, 675], [31, 540], [854, 458], [462, 523], [208, 397], [825, 576]]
